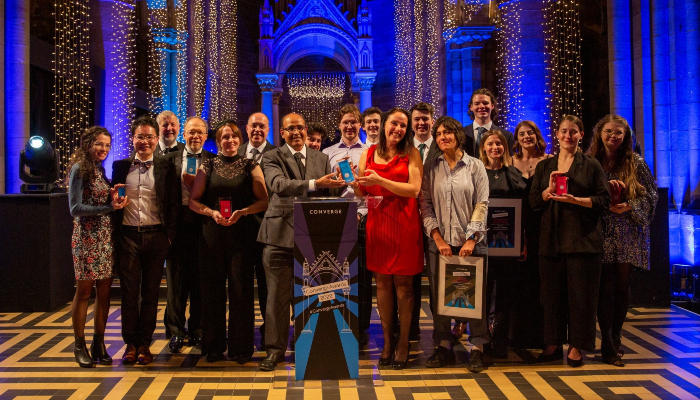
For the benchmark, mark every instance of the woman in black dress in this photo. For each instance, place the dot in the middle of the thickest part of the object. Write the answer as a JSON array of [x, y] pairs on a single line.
[[505, 181], [228, 189], [530, 149], [91, 203], [571, 189]]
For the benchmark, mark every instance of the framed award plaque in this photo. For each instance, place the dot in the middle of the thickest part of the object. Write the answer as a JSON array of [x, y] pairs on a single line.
[[461, 285]]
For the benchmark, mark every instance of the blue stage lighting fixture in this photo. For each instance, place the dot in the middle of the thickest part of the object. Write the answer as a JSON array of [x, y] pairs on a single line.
[[38, 166]]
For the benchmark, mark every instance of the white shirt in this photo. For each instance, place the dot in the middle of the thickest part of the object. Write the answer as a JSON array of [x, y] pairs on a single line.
[[312, 182], [427, 143], [249, 148], [162, 145], [477, 126], [369, 143], [183, 187], [140, 188], [354, 152]]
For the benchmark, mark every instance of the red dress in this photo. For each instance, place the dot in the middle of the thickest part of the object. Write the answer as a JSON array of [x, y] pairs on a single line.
[[393, 233]]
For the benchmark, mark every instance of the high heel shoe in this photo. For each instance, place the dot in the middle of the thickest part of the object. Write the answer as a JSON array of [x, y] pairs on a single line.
[[99, 351], [401, 364], [82, 357], [385, 362], [556, 355], [574, 363]]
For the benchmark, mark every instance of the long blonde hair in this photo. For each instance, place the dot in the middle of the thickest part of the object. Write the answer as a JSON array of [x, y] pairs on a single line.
[[624, 160]]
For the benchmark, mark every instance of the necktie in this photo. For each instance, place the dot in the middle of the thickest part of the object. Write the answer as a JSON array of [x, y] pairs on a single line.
[[256, 154], [143, 165], [481, 130], [421, 148], [193, 155], [300, 164]]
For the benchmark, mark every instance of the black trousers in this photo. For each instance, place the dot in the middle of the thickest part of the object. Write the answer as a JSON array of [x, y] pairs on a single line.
[[478, 328], [182, 274], [569, 294], [364, 276], [222, 257], [279, 272], [254, 257], [141, 259]]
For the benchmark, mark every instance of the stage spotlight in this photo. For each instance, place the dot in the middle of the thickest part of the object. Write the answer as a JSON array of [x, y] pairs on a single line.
[[38, 166]]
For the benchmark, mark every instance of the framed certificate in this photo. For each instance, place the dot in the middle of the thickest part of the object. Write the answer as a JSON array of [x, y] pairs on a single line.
[[461, 285], [504, 227]]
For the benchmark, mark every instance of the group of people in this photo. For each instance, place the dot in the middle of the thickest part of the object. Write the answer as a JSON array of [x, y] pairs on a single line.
[[212, 218]]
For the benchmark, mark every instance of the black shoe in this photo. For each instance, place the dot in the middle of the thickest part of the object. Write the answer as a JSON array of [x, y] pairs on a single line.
[[241, 359], [175, 345], [414, 337], [215, 356], [498, 349], [476, 361], [557, 355], [82, 357], [99, 351], [195, 341], [442, 357], [384, 362], [574, 363], [399, 364], [270, 362]]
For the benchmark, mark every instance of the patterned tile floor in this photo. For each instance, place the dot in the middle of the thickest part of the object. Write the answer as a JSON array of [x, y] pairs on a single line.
[[662, 351]]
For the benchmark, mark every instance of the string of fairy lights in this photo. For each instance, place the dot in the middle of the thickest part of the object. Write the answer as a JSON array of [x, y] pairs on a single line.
[[317, 96], [416, 52], [157, 20], [122, 59], [198, 61], [510, 72], [71, 77], [563, 49], [181, 63], [223, 103]]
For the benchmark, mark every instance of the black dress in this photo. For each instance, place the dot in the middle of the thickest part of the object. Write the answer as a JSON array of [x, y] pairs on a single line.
[[503, 273], [222, 255]]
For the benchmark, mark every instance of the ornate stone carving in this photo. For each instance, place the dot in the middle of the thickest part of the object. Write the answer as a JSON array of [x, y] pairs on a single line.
[[465, 34], [364, 82], [267, 83]]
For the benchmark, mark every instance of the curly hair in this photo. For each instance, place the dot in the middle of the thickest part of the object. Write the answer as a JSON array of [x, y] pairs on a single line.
[[624, 162], [85, 157], [404, 146], [451, 125]]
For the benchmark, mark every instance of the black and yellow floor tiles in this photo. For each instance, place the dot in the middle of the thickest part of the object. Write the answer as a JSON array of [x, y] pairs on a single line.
[[662, 352]]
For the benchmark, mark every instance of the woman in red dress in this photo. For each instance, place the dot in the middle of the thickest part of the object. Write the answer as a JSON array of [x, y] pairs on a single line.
[[393, 169]]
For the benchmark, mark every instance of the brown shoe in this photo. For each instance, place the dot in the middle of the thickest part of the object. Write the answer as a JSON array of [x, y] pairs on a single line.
[[129, 356], [458, 330], [145, 356]]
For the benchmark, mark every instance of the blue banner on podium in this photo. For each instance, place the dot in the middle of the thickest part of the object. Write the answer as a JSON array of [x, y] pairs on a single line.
[[325, 289]]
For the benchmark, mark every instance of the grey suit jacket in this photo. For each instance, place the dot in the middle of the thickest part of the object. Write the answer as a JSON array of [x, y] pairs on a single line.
[[283, 179]]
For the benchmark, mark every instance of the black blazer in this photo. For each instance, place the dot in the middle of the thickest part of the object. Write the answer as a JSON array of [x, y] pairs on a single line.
[[241, 152], [167, 192], [472, 148], [568, 228], [433, 152], [175, 158]]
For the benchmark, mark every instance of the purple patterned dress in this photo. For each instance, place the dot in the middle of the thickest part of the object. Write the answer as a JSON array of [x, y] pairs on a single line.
[[93, 230]]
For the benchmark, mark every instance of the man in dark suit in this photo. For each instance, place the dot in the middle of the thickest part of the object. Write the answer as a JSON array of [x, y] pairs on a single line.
[[144, 231], [257, 128], [483, 110], [291, 170], [168, 129], [182, 263]]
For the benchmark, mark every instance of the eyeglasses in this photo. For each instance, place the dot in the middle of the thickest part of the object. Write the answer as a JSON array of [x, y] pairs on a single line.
[[196, 133], [294, 128], [610, 132], [147, 138], [102, 146]]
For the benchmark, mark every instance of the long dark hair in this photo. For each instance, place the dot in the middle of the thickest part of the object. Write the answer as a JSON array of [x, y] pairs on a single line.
[[84, 156], [540, 144], [624, 162], [404, 146]]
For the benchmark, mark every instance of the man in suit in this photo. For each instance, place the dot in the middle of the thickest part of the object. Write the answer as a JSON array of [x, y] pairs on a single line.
[[182, 263], [257, 128], [145, 229], [291, 170], [168, 129], [483, 110]]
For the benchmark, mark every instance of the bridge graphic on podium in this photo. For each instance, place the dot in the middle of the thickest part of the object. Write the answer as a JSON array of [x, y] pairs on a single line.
[[324, 264], [460, 299]]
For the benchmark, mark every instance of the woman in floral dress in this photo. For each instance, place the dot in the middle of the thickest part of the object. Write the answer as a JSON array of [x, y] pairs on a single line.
[[91, 203]]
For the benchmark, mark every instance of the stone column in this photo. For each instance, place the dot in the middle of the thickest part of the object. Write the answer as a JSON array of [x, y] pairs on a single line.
[[620, 59], [2, 98], [274, 122], [16, 88], [463, 67], [365, 81], [268, 83]]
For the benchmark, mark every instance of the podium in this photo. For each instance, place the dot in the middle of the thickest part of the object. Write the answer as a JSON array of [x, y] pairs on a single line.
[[325, 288]]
